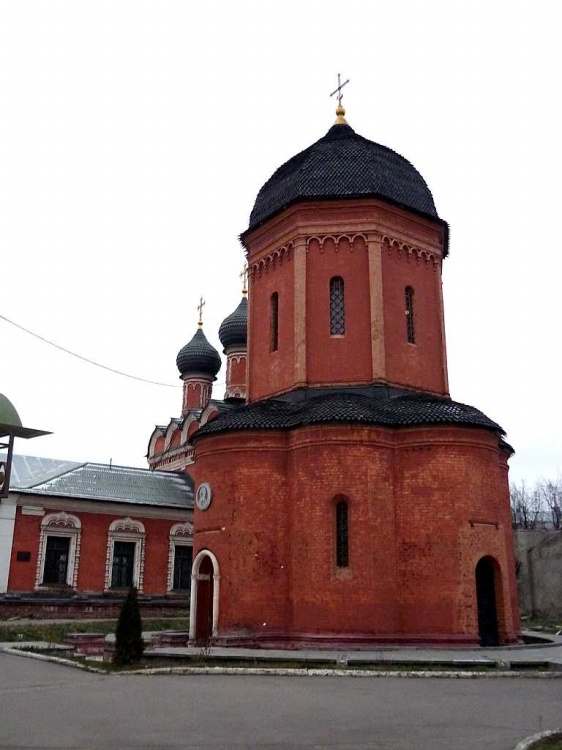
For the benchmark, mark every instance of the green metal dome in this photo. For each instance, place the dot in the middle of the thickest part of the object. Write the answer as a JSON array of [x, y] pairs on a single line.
[[8, 413]]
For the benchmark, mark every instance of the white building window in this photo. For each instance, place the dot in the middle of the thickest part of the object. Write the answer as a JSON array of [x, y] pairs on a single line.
[[180, 557], [124, 566], [59, 550]]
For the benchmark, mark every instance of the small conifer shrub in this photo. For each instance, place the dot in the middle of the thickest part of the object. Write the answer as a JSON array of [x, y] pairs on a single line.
[[129, 645]]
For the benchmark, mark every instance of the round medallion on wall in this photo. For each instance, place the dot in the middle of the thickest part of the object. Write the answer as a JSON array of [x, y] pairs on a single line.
[[203, 496]]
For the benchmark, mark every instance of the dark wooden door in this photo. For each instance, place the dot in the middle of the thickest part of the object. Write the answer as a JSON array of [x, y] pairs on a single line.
[[486, 600], [204, 616]]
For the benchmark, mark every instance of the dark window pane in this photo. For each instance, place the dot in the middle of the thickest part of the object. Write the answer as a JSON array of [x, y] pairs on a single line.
[[342, 551], [274, 323], [183, 560], [56, 559], [410, 322], [123, 564], [337, 307]]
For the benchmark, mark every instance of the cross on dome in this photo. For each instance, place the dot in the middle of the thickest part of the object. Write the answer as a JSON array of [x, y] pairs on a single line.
[[200, 309], [244, 277], [340, 111], [339, 88]]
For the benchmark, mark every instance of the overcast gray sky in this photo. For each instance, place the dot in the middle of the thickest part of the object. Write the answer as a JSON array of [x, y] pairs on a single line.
[[134, 137]]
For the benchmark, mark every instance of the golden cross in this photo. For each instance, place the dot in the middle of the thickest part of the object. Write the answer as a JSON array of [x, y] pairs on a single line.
[[339, 88], [200, 308], [244, 277]]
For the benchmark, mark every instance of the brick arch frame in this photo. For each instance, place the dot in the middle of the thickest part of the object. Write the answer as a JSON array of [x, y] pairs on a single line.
[[201, 555]]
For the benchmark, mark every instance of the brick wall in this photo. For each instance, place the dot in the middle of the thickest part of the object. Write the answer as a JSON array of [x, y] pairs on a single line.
[[425, 505], [93, 550]]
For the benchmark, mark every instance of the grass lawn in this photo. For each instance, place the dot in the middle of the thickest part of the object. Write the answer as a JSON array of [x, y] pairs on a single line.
[[54, 632]]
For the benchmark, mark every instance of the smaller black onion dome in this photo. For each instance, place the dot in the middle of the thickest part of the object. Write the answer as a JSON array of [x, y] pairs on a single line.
[[198, 356], [234, 328]]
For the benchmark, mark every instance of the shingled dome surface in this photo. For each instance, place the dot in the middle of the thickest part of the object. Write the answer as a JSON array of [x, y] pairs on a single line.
[[349, 408], [198, 356], [343, 164], [234, 328]]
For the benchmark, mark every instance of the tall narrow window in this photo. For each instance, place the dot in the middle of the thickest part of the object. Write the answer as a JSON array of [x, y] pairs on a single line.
[[123, 565], [410, 320], [337, 307], [274, 322], [56, 560], [183, 560], [342, 534]]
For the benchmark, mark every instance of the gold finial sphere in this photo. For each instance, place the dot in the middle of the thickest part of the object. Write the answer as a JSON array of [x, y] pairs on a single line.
[[340, 112]]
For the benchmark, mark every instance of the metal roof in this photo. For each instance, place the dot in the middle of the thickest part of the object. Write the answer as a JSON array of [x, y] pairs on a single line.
[[90, 481]]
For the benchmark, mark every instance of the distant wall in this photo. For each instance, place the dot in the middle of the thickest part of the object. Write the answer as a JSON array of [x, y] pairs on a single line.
[[539, 572]]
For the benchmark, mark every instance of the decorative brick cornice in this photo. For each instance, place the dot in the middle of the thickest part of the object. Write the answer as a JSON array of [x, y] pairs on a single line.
[[407, 251], [351, 241], [271, 260]]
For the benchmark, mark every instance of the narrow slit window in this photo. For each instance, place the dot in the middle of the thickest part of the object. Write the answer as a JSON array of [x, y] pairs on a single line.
[[410, 319], [342, 535], [337, 307], [274, 322]]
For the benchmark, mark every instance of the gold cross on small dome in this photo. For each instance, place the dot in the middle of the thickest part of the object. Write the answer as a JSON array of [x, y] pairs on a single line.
[[244, 277], [200, 309]]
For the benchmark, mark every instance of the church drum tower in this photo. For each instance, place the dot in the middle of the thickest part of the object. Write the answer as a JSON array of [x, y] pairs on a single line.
[[350, 501]]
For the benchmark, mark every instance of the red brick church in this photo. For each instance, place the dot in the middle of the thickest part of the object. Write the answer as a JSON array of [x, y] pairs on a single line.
[[342, 497]]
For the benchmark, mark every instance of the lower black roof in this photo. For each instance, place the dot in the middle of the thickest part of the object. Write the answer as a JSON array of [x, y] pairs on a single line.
[[346, 407]]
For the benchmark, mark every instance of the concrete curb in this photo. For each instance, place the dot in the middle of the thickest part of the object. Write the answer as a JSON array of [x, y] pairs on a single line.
[[528, 743], [285, 672]]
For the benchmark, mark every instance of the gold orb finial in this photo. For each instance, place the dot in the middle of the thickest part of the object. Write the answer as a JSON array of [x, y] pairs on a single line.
[[340, 119]]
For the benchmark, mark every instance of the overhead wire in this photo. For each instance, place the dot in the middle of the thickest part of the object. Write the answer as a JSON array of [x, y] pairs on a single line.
[[86, 359]]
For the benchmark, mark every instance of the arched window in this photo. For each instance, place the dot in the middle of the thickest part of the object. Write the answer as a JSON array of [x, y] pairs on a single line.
[[337, 307], [410, 320], [124, 565], [180, 557], [59, 550], [342, 534], [274, 322]]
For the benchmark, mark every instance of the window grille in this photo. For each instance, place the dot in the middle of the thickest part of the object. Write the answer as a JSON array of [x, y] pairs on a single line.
[[342, 534], [337, 307], [123, 564], [410, 321], [183, 561], [56, 560], [274, 321]]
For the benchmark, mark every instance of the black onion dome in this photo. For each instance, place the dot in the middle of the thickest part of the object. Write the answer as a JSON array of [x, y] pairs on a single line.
[[350, 408], [234, 328], [343, 164], [198, 356]]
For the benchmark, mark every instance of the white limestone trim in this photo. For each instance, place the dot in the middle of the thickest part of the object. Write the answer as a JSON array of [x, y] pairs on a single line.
[[158, 433], [7, 525], [181, 534], [216, 587], [126, 530], [63, 525]]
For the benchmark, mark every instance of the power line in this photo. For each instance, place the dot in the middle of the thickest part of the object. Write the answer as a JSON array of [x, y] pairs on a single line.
[[85, 359]]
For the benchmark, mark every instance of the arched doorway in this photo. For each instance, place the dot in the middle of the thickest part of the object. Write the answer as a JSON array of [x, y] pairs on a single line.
[[487, 602], [205, 581]]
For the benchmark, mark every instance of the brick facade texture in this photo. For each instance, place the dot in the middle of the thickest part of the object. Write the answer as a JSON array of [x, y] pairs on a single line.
[[93, 551], [424, 506]]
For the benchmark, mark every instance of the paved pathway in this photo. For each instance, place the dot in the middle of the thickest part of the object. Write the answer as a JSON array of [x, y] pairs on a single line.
[[46, 705], [551, 652]]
